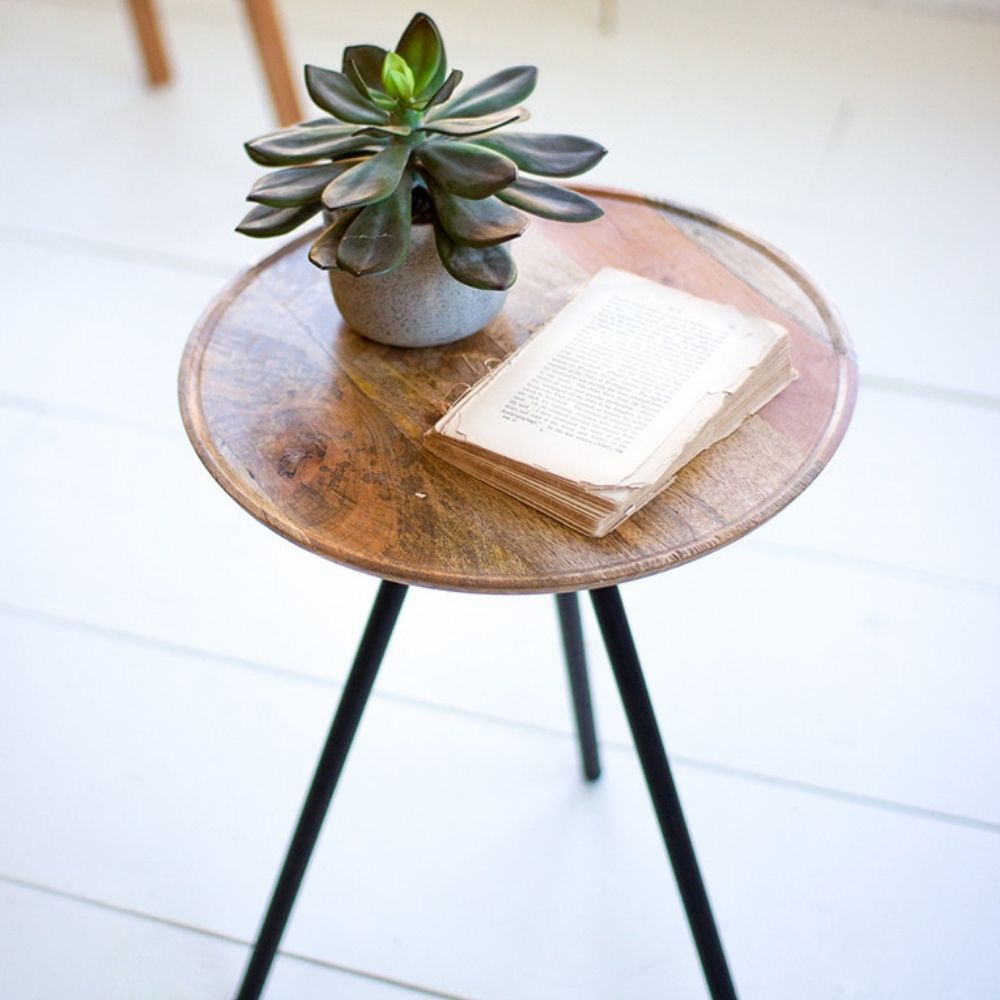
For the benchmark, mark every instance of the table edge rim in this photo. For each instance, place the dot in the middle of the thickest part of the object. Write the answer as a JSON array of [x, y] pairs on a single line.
[[630, 568]]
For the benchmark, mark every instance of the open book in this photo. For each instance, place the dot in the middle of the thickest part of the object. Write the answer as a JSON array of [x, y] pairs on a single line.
[[596, 413]]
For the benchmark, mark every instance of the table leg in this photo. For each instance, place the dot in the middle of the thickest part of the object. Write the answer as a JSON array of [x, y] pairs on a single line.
[[653, 757], [331, 762], [147, 28], [568, 606], [270, 39]]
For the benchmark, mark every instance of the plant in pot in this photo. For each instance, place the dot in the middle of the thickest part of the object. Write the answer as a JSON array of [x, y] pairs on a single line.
[[420, 187]]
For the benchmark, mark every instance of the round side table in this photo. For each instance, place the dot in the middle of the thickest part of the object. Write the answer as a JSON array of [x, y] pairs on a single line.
[[317, 432]]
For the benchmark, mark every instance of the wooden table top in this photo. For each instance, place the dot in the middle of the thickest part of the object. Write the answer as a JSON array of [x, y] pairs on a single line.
[[316, 432]]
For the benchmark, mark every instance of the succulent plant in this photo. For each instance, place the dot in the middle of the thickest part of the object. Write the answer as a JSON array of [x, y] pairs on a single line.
[[402, 145]]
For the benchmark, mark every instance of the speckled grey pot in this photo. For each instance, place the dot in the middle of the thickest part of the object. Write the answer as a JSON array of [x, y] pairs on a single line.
[[419, 304]]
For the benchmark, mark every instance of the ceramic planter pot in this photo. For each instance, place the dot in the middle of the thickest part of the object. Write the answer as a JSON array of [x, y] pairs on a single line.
[[419, 304]]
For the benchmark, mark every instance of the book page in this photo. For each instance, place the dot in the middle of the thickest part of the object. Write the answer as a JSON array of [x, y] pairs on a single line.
[[611, 379]]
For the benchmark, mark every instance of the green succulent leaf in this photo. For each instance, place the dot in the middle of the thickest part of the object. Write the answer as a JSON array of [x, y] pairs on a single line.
[[323, 252], [501, 90], [397, 77], [550, 201], [482, 222], [547, 155], [398, 122], [335, 93], [384, 131], [445, 90], [379, 238], [476, 126], [372, 94], [466, 170], [371, 180], [367, 60], [296, 185], [263, 220], [423, 49], [299, 144], [481, 267]]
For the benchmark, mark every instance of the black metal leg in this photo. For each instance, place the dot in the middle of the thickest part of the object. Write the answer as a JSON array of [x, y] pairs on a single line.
[[383, 617], [576, 664], [646, 734]]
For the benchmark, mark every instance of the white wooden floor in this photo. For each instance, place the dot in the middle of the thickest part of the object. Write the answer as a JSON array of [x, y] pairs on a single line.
[[829, 687]]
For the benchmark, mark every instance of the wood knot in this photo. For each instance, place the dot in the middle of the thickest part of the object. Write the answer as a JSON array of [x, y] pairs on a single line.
[[304, 451]]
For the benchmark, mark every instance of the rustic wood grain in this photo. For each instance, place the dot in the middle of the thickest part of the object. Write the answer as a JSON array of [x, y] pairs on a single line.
[[317, 432]]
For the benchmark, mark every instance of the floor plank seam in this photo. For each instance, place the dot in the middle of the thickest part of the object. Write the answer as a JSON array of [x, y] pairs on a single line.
[[68, 243], [84, 414], [567, 736], [128, 911], [926, 390], [907, 574], [841, 795]]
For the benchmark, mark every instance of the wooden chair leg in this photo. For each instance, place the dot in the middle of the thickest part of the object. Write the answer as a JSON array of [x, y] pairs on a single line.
[[147, 29], [270, 41]]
